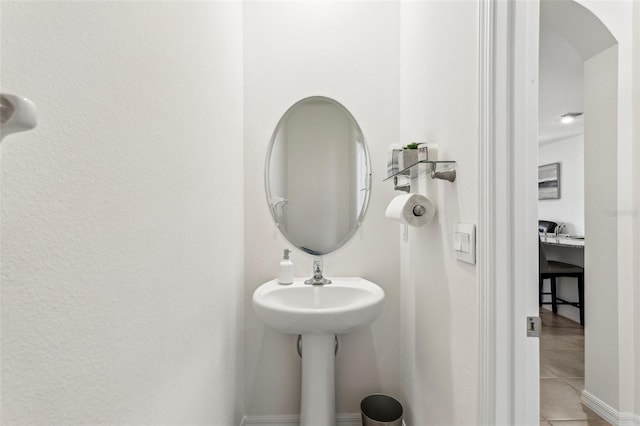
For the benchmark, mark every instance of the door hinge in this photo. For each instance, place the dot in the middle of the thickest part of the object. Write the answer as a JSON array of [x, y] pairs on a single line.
[[533, 326]]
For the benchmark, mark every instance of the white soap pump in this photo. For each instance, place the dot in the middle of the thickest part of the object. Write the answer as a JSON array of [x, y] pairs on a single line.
[[286, 269]]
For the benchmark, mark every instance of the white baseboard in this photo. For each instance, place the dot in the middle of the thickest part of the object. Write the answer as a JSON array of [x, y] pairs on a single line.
[[353, 419], [609, 413], [294, 419]]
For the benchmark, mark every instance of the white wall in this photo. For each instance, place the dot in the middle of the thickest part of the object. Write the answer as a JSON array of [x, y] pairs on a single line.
[[600, 252], [347, 51], [438, 103], [569, 208], [618, 18], [635, 213], [122, 232]]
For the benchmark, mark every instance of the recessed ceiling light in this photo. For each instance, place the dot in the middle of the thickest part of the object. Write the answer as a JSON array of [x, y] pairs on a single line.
[[569, 117]]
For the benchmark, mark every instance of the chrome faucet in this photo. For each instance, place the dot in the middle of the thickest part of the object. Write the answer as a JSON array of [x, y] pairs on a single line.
[[317, 278]]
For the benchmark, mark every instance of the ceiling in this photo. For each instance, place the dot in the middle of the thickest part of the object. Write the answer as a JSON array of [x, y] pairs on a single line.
[[569, 35]]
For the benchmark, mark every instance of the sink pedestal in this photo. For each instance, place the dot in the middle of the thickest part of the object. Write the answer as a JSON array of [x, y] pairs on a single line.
[[318, 401]]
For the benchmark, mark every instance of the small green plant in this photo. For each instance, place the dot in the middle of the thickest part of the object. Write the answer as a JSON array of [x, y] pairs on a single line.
[[413, 145]]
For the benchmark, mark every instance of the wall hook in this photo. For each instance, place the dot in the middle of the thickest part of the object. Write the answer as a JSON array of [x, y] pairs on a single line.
[[17, 114], [445, 174], [406, 187]]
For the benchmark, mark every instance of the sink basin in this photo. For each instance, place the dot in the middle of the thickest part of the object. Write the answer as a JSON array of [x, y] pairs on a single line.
[[340, 307]]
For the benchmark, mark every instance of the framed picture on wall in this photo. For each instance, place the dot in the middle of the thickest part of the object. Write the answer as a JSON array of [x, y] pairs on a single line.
[[549, 181]]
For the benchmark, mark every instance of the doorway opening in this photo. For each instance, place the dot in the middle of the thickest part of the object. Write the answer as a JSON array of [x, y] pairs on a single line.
[[578, 69]]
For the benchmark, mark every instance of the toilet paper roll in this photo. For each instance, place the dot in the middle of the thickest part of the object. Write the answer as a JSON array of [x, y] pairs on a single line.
[[411, 209]]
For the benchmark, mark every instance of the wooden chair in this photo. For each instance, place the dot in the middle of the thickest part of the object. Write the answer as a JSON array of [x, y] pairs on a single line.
[[551, 270]]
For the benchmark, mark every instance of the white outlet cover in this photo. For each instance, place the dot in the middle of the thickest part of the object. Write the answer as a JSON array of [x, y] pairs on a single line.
[[464, 242]]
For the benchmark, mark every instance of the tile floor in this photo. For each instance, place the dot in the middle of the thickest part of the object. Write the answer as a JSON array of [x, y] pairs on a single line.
[[562, 374]]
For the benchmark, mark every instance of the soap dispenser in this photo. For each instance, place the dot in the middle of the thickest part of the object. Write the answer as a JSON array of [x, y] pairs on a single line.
[[286, 269]]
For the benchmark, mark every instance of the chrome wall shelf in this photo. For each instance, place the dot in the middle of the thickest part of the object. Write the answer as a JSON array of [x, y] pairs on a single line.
[[438, 169]]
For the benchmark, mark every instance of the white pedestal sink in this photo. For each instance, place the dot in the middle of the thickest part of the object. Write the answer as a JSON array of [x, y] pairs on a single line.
[[318, 313]]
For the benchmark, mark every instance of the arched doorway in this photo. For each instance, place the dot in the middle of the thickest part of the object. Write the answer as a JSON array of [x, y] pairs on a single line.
[[578, 62], [509, 379]]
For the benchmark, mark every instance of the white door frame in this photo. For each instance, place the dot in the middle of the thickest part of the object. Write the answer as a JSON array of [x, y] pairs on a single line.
[[507, 245], [507, 248]]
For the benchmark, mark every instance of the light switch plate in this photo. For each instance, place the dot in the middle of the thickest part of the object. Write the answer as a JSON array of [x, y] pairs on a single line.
[[464, 242]]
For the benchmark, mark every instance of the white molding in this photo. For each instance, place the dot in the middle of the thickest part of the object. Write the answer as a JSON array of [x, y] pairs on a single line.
[[507, 138], [524, 203], [495, 206], [486, 219], [607, 412], [345, 419], [599, 407]]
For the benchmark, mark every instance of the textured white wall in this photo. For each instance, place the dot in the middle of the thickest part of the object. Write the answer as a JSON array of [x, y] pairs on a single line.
[[122, 229], [635, 213], [600, 252], [569, 208], [618, 18], [347, 51], [438, 103]]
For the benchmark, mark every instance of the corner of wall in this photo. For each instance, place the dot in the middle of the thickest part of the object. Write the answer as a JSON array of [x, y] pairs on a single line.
[[636, 201]]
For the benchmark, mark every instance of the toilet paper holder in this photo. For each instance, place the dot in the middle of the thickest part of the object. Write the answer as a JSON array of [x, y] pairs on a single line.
[[411, 209]]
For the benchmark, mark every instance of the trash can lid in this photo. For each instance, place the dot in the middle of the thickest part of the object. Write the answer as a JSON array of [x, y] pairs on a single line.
[[381, 408]]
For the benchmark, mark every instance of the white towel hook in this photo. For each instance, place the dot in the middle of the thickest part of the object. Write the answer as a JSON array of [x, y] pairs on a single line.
[[17, 114]]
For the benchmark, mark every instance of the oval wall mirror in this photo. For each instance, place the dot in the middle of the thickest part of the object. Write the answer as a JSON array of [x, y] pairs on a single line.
[[317, 175]]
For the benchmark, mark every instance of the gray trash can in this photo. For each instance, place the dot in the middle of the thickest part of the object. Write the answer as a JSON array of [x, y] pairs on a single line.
[[378, 410]]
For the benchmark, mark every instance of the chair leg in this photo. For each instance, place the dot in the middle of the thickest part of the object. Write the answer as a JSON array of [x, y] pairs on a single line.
[[581, 297], [540, 285], [554, 303]]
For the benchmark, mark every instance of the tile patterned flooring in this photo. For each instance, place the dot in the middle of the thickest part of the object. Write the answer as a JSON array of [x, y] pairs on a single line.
[[562, 374]]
